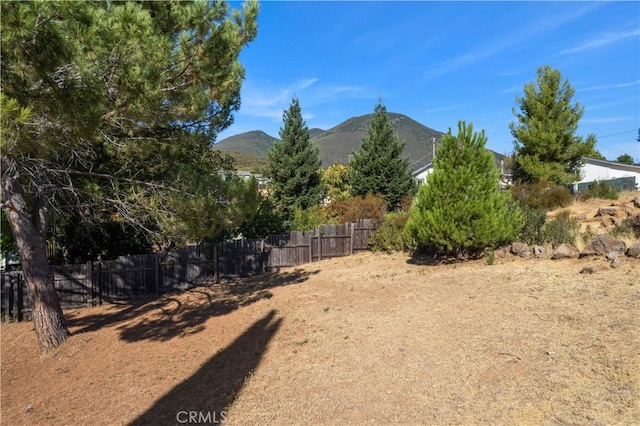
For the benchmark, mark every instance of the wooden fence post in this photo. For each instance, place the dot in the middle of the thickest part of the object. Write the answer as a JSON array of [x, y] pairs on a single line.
[[89, 284], [156, 273], [99, 278], [319, 243], [215, 264], [352, 236], [18, 299]]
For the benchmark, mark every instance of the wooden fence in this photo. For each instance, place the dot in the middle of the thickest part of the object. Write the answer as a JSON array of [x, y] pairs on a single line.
[[128, 277]]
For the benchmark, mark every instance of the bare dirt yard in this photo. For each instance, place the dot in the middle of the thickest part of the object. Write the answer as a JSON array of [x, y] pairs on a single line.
[[367, 339]]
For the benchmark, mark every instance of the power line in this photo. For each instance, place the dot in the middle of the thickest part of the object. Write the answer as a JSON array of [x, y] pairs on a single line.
[[619, 133]]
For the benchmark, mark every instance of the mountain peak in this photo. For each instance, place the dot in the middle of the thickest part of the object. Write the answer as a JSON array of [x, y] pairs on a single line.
[[339, 142]]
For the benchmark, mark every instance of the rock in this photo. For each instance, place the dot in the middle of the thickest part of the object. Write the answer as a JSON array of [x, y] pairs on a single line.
[[565, 251], [520, 249], [616, 262], [634, 250], [603, 244], [636, 202], [612, 255], [538, 251], [501, 253], [613, 211], [582, 217]]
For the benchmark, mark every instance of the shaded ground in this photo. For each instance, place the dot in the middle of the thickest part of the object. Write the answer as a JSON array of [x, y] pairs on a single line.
[[366, 339]]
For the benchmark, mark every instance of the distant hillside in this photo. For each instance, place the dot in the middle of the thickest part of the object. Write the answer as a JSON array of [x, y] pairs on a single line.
[[339, 142], [255, 143]]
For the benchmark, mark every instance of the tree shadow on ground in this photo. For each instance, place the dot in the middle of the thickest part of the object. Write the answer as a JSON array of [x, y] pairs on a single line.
[[206, 395], [181, 314]]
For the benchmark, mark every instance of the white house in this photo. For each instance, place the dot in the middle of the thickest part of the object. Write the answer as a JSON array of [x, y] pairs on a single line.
[[420, 174], [602, 170]]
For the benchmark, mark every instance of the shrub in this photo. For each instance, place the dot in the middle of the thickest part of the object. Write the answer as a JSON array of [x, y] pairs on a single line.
[[599, 189], [389, 236], [539, 196], [369, 207], [629, 226], [533, 220], [557, 197], [310, 218], [561, 229]]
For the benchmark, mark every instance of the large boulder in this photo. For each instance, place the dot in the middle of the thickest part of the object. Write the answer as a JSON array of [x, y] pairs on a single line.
[[612, 211], [601, 245], [565, 251], [634, 250]]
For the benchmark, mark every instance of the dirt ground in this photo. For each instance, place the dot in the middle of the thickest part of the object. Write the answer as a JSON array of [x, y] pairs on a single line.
[[368, 339]]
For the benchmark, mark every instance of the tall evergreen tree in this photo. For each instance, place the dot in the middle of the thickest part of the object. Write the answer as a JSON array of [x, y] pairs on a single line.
[[460, 210], [378, 166], [293, 164], [547, 148], [111, 105]]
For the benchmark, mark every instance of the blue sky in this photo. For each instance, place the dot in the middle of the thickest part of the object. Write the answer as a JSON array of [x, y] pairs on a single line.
[[441, 62]]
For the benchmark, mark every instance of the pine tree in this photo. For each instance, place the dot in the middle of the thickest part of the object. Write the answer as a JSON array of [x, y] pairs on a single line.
[[460, 210], [378, 167], [294, 165], [547, 148], [98, 100]]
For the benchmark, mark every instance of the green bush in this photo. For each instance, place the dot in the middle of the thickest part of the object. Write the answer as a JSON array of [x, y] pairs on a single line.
[[390, 236], [557, 197], [308, 219], [533, 221], [561, 229]]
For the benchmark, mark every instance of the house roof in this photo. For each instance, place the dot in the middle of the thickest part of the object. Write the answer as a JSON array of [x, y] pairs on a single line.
[[424, 168], [612, 164]]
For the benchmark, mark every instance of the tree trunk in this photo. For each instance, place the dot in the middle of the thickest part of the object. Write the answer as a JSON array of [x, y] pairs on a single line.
[[29, 231]]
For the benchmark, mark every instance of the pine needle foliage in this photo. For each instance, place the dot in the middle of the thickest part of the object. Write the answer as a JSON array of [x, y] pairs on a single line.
[[460, 210], [378, 167], [294, 165], [546, 144]]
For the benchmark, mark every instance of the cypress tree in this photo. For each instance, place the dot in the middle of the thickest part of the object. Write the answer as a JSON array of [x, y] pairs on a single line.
[[378, 166], [460, 210], [294, 165]]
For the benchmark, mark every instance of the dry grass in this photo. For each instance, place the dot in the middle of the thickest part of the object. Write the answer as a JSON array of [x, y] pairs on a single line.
[[369, 339]]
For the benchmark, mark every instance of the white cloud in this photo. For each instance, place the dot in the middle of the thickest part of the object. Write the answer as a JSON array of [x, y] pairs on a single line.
[[611, 86], [601, 41], [492, 48]]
